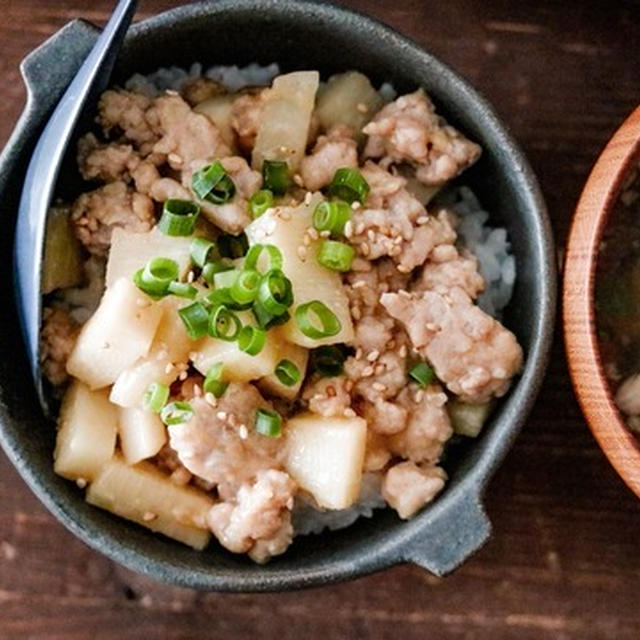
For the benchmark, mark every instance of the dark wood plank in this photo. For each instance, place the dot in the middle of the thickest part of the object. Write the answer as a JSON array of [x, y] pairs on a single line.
[[563, 561]]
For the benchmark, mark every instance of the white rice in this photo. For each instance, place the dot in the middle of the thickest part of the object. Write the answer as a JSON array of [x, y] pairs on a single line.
[[489, 244]]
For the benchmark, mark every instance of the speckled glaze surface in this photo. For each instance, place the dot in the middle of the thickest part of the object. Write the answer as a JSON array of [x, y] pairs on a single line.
[[298, 35]]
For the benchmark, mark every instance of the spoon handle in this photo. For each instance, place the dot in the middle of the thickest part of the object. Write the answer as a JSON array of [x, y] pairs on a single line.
[[42, 174]]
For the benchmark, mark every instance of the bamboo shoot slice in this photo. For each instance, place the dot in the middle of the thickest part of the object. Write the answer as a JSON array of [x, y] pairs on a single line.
[[141, 433]]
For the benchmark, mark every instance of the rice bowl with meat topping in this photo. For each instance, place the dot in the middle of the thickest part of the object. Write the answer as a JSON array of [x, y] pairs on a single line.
[[299, 309]]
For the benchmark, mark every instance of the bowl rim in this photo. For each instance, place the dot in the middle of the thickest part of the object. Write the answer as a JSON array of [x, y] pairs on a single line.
[[400, 546], [593, 211]]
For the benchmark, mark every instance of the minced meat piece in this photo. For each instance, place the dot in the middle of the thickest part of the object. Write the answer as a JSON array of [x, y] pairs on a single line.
[[105, 162], [245, 117], [96, 214], [409, 130], [57, 339], [407, 487]]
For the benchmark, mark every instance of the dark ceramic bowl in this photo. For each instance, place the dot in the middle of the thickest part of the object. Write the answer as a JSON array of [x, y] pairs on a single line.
[[299, 35]]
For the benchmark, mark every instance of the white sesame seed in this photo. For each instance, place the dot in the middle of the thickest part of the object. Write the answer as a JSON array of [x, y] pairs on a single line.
[[141, 302], [297, 178], [418, 396], [362, 107], [221, 415], [367, 371], [348, 385], [379, 370], [312, 233], [403, 269], [169, 368], [360, 228], [81, 483], [325, 234], [232, 420], [302, 253], [149, 516], [349, 413], [183, 376], [210, 399], [432, 326], [348, 229], [356, 313], [197, 391], [355, 205], [373, 356], [403, 293], [364, 249], [358, 284], [174, 158], [422, 220], [378, 386], [402, 352], [243, 432], [306, 240], [171, 92], [358, 355], [307, 197], [191, 277], [371, 235]]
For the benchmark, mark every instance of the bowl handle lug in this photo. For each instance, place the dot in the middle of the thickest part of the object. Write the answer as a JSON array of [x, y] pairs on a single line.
[[454, 534]]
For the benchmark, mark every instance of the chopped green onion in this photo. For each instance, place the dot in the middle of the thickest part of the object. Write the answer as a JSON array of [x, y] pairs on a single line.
[[178, 217], [268, 320], [224, 279], [218, 297], [224, 324], [349, 185], [233, 246], [275, 293], [183, 289], [155, 278], [331, 216], [328, 360], [211, 268], [212, 183], [195, 318], [336, 256], [328, 321], [251, 340], [201, 249], [155, 397], [245, 288], [213, 382], [276, 176], [259, 202], [422, 373], [254, 254], [268, 423], [176, 413], [287, 373]]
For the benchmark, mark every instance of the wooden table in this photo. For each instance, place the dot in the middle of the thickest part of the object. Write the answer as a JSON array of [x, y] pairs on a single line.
[[564, 559]]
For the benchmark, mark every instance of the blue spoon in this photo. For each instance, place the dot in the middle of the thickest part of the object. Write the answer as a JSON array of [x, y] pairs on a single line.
[[42, 174]]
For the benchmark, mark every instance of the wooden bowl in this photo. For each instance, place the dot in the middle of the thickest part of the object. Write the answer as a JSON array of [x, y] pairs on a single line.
[[583, 350]]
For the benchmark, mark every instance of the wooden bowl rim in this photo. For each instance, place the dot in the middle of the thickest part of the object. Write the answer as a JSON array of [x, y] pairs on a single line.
[[593, 210]]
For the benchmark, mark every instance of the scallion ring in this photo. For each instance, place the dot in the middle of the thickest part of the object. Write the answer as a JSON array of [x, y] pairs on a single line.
[[213, 383], [176, 413], [268, 423], [331, 216], [245, 287], [259, 202], [201, 249], [422, 373], [275, 174], [251, 340], [212, 183], [316, 321], [183, 290], [253, 259], [195, 318], [335, 255], [287, 372], [224, 279], [155, 397], [178, 217], [224, 324], [211, 268], [267, 320], [155, 278], [348, 184], [275, 293]]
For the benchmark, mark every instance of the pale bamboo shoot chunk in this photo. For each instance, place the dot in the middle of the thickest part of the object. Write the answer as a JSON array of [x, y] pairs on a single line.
[[142, 434]]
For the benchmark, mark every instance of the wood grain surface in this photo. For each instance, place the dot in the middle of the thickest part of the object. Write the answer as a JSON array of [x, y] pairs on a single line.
[[564, 560]]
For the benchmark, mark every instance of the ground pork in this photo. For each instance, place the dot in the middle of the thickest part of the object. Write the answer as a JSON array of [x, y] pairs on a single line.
[[105, 162], [428, 426], [331, 152], [125, 113], [258, 519], [451, 270], [57, 339], [408, 130], [200, 89], [186, 135], [394, 223], [328, 397], [97, 213], [220, 445], [367, 281], [245, 117], [471, 352], [407, 487]]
